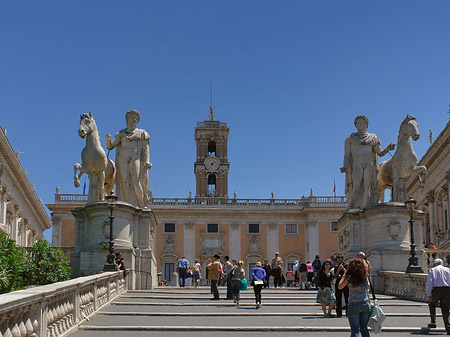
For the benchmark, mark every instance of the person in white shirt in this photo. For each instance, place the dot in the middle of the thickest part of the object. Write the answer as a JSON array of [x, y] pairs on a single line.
[[438, 290]]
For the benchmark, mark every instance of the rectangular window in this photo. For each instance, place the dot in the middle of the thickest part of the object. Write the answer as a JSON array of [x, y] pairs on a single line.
[[253, 228], [213, 228], [169, 228], [291, 229], [333, 226], [168, 270]]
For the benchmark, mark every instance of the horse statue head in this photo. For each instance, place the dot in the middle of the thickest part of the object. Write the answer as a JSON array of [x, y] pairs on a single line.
[[87, 125], [409, 128]]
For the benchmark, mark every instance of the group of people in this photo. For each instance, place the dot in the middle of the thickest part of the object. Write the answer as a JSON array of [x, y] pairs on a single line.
[[185, 271], [236, 280]]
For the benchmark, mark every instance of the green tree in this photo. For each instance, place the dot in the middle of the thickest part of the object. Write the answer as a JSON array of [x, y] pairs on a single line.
[[12, 265], [46, 264]]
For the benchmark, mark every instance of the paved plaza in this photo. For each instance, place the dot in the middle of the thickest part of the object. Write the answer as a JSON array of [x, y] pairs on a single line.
[[180, 312]]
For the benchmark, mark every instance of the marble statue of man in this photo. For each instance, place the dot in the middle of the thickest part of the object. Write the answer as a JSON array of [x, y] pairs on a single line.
[[132, 161], [361, 153]]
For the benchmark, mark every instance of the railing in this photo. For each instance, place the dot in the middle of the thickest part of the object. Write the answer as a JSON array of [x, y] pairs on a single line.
[[223, 201], [55, 309], [250, 202], [431, 254], [71, 197], [410, 286]]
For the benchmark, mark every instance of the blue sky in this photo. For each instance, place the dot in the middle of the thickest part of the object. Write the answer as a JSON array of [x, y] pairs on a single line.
[[289, 77]]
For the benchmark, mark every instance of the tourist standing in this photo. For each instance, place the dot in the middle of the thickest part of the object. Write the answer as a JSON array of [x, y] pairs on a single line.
[[325, 295], [227, 266], [258, 276], [214, 272], [295, 269], [358, 306], [268, 271], [182, 266], [196, 270], [277, 267], [237, 273], [310, 273], [317, 266], [438, 291], [302, 272], [338, 272]]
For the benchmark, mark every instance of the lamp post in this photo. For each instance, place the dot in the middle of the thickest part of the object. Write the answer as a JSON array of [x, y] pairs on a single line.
[[110, 264], [413, 265]]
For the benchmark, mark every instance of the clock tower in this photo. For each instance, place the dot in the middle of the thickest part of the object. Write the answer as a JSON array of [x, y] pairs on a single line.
[[211, 165]]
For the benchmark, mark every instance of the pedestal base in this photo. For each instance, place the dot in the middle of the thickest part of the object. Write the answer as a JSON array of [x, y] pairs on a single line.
[[133, 232], [382, 233]]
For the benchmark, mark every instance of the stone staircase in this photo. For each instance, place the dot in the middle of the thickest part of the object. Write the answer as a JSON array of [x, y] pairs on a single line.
[[170, 311]]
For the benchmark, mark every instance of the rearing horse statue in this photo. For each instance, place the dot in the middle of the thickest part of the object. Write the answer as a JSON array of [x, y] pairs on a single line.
[[402, 164], [100, 169]]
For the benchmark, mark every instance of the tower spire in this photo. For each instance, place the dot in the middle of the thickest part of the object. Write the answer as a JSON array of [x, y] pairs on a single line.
[[211, 108]]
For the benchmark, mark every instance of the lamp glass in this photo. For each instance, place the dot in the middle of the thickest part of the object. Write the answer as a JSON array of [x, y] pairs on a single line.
[[410, 205]]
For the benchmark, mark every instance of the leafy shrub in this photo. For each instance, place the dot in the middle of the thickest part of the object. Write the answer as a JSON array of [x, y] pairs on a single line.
[[46, 264], [41, 264], [12, 265]]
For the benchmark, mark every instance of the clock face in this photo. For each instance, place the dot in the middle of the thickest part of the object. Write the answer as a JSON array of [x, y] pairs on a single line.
[[212, 163]]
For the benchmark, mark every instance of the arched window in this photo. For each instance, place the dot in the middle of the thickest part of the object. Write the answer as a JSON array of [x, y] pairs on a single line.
[[212, 148], [212, 183]]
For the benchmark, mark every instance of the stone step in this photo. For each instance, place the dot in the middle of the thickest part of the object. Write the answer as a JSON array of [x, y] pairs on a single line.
[[230, 303], [240, 314], [272, 329]]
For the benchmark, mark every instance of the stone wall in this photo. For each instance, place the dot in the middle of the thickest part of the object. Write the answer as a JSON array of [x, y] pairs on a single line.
[[56, 309]]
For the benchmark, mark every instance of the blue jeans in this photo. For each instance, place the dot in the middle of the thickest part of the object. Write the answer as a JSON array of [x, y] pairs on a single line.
[[358, 316]]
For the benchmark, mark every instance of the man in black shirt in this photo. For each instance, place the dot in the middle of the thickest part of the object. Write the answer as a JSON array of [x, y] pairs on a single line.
[[339, 271]]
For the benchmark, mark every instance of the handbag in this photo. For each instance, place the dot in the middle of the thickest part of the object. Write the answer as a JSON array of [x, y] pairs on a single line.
[[244, 286], [377, 315]]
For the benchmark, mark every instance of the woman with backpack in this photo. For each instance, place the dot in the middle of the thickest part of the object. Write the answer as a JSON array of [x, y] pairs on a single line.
[[237, 273]]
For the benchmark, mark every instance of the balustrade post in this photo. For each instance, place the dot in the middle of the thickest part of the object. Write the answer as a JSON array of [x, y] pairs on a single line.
[[108, 290], [76, 305], [42, 319], [94, 291]]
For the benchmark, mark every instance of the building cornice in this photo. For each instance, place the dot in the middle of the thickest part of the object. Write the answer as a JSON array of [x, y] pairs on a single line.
[[22, 183]]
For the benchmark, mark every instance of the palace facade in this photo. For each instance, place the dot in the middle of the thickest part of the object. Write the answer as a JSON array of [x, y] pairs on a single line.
[[433, 197], [22, 216]]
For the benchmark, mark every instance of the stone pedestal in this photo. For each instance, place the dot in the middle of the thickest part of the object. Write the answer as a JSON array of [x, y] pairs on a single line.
[[382, 233], [133, 231]]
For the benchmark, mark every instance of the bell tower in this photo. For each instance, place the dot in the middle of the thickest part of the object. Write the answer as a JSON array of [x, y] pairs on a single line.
[[211, 165]]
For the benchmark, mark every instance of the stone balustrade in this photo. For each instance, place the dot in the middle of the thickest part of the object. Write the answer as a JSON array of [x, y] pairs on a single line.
[[410, 286], [310, 201], [430, 254], [55, 309]]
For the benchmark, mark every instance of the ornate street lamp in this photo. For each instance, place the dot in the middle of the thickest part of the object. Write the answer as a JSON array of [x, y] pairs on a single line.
[[110, 265], [413, 266]]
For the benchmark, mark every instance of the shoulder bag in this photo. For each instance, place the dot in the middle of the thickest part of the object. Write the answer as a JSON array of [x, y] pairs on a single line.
[[377, 316]]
